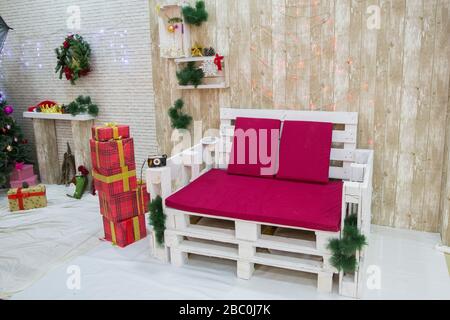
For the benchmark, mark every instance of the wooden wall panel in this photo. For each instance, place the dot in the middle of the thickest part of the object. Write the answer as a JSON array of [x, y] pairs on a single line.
[[321, 55]]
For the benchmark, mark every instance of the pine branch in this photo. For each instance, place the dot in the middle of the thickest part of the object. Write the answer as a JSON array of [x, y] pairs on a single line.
[[197, 15], [158, 219], [178, 119], [344, 249], [190, 75]]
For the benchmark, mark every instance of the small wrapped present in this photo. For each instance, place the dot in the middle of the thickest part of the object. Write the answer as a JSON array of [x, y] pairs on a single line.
[[31, 181], [126, 205], [22, 172], [115, 180], [27, 198], [125, 232], [110, 131], [112, 153]]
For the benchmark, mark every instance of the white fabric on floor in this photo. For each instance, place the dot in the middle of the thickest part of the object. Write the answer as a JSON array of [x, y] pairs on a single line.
[[33, 242], [47, 243], [109, 272]]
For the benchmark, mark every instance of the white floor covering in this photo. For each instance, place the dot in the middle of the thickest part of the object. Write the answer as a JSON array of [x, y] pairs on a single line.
[[37, 247]]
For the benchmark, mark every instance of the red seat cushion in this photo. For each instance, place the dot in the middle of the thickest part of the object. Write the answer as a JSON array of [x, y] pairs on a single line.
[[282, 202], [255, 147], [305, 149]]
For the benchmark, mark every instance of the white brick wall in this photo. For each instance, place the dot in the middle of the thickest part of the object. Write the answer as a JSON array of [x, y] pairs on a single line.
[[121, 82]]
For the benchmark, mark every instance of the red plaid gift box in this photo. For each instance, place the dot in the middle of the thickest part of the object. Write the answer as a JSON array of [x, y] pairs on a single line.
[[110, 131], [125, 205], [115, 180], [112, 154], [125, 232]]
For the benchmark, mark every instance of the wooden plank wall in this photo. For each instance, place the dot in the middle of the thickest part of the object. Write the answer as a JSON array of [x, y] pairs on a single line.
[[321, 55]]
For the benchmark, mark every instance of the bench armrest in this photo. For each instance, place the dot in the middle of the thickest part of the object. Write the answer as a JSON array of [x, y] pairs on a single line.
[[358, 191], [182, 168]]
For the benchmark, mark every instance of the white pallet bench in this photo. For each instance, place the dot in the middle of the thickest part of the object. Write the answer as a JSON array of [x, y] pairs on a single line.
[[246, 238], [246, 243]]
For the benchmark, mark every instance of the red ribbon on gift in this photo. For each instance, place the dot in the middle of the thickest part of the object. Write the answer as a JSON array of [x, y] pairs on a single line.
[[19, 196], [218, 62]]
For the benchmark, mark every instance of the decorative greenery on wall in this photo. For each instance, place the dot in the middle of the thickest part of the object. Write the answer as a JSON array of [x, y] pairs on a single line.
[[197, 15], [344, 249], [191, 74], [158, 219], [82, 104], [73, 58], [178, 119]]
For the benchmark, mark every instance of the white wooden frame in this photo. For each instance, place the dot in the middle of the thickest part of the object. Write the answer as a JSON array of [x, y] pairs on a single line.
[[220, 81], [240, 244], [180, 40]]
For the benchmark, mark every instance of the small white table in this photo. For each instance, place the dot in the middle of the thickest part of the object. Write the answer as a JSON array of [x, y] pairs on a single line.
[[46, 143]]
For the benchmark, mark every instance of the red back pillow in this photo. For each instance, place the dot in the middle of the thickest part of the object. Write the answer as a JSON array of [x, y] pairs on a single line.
[[255, 147], [305, 149]]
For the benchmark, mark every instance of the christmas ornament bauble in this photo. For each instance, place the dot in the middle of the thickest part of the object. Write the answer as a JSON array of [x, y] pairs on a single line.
[[171, 28], [8, 110], [8, 127], [9, 148]]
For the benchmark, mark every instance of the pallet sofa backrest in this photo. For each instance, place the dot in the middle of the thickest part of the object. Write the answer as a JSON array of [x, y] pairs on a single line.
[[344, 133]]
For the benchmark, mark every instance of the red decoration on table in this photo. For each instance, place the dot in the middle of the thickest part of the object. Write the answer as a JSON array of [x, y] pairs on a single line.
[[218, 62], [42, 104]]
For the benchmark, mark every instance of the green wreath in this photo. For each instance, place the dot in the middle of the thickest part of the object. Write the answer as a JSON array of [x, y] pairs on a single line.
[[73, 58]]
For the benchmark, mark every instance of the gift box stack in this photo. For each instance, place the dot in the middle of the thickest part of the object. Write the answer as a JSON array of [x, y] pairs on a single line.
[[23, 173], [123, 199]]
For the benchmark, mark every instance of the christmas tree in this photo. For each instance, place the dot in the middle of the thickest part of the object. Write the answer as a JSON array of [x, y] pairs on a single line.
[[14, 148]]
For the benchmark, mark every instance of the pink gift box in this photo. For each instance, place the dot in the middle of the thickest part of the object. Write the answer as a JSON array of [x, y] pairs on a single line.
[[22, 174], [32, 181]]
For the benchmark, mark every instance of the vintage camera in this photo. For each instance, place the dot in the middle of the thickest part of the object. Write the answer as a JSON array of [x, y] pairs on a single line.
[[157, 161]]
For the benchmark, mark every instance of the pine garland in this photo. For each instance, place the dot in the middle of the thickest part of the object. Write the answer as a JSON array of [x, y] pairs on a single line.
[[344, 249], [73, 58], [190, 75], [178, 119], [158, 219], [82, 105], [197, 15]]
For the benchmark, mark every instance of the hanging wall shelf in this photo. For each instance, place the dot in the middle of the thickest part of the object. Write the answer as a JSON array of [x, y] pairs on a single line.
[[174, 34], [214, 78]]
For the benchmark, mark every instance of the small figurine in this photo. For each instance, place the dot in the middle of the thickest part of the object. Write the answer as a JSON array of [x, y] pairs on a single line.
[[80, 181]]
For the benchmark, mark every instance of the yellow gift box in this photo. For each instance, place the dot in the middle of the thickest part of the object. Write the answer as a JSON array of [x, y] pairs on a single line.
[[27, 198]]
